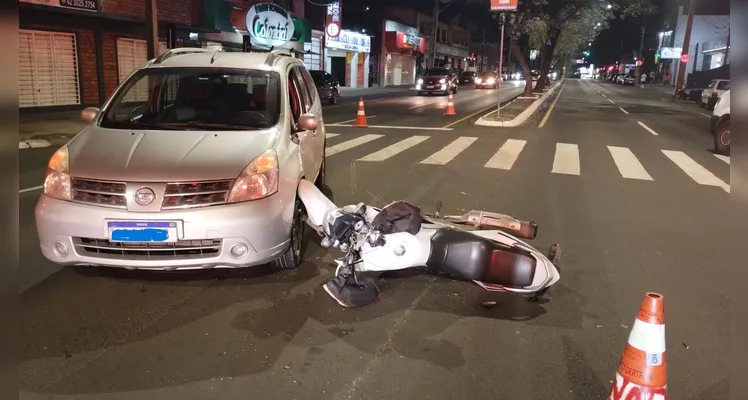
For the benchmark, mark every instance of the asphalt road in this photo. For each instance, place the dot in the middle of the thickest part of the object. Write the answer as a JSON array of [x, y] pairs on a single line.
[[633, 211]]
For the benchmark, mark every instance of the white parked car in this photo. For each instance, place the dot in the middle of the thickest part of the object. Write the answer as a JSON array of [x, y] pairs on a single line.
[[710, 95]]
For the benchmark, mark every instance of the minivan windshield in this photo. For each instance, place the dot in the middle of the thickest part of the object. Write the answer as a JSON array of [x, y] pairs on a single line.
[[196, 98]]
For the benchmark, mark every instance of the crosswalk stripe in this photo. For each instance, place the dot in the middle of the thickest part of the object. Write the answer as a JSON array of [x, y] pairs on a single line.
[[394, 149], [507, 155], [723, 158], [694, 170], [627, 163], [349, 144], [449, 152], [566, 160], [331, 135]]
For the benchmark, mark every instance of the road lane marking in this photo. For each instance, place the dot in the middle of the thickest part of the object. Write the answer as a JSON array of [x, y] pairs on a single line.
[[624, 111], [566, 160], [449, 152], [723, 158], [604, 95], [694, 170], [420, 128], [706, 115], [550, 109], [394, 149], [627, 163], [611, 101], [424, 104], [507, 155], [647, 128], [351, 120], [331, 135], [340, 147], [31, 189]]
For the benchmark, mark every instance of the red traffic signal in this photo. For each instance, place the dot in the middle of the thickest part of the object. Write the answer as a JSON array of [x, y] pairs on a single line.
[[638, 63]]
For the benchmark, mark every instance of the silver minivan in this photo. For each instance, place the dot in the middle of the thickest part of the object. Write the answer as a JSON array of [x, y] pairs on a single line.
[[193, 163]]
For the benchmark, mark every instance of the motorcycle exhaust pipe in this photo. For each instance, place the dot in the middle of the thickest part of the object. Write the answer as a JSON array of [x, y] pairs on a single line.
[[487, 220]]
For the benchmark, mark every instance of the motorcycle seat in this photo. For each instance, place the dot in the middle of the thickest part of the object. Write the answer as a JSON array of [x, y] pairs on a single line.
[[471, 257]]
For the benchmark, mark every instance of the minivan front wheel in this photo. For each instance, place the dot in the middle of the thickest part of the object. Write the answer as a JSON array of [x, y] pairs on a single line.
[[320, 182], [292, 257], [722, 139]]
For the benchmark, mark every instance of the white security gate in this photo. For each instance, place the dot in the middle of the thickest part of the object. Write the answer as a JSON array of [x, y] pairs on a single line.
[[47, 69], [313, 61], [131, 54]]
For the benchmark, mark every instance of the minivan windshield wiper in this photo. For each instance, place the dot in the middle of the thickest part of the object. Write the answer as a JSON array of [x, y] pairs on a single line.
[[213, 126], [138, 124]]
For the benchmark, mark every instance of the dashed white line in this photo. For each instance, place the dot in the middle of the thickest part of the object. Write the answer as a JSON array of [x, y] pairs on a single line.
[[647, 128], [624, 111], [31, 189], [331, 135], [603, 94], [611, 101]]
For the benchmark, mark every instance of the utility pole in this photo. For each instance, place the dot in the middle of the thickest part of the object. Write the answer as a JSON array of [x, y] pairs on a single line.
[[501, 61], [151, 28], [637, 75], [686, 45]]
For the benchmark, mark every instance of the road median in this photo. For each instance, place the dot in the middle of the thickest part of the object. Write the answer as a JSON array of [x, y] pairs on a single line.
[[519, 110]]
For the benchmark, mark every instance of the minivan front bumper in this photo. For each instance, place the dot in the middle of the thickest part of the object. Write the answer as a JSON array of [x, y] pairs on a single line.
[[207, 235]]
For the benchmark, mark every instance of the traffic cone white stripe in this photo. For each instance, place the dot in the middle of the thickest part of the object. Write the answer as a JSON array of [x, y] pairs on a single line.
[[648, 337]]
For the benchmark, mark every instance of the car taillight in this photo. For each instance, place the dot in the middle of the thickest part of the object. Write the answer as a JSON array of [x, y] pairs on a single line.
[[714, 95]]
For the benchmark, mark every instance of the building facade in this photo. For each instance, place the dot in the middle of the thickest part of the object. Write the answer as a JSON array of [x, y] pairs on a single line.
[[403, 47], [708, 47]]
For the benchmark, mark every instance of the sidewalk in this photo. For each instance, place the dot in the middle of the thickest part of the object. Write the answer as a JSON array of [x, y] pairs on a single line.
[[44, 130]]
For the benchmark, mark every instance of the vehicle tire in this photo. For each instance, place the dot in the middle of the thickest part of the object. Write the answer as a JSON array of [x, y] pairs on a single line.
[[722, 139], [334, 97], [292, 257]]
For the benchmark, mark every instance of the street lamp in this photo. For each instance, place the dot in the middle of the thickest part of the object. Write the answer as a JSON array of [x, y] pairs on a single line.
[[609, 7]]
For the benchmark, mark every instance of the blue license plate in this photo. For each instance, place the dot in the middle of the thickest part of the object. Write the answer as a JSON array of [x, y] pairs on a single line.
[[142, 231]]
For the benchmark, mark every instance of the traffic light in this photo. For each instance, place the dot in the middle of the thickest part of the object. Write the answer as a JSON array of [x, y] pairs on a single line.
[[587, 53]]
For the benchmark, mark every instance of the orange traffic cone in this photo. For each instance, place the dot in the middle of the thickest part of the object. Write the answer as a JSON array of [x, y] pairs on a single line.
[[361, 115], [642, 371], [450, 105]]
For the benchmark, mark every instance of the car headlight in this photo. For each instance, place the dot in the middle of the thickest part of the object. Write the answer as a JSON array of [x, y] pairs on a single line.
[[258, 180], [477, 80], [491, 81], [420, 81], [443, 80], [57, 180]]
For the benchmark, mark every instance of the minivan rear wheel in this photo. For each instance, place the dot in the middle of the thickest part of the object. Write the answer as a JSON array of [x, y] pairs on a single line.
[[292, 257]]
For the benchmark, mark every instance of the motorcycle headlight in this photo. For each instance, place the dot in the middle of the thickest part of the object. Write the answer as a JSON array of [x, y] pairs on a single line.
[[258, 180], [57, 180], [420, 81], [443, 80]]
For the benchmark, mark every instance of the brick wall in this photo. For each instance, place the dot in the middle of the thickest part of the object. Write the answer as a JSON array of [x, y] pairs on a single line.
[[179, 11], [87, 59], [111, 75]]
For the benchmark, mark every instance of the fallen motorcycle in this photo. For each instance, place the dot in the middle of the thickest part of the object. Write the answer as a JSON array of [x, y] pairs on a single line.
[[477, 246]]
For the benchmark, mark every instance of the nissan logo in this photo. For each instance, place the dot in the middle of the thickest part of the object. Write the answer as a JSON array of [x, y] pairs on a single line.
[[144, 196]]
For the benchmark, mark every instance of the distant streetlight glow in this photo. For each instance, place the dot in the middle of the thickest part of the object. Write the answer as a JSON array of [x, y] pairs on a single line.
[[598, 24], [609, 7]]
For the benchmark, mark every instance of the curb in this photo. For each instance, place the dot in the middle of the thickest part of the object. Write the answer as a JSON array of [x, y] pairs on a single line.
[[524, 115], [51, 140]]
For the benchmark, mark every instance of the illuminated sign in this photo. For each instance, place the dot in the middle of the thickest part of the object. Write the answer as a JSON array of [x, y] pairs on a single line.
[[670, 53], [332, 20], [351, 41], [269, 24], [504, 5]]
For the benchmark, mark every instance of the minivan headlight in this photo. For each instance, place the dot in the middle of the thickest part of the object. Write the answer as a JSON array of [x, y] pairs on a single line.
[[258, 180], [57, 180], [443, 80]]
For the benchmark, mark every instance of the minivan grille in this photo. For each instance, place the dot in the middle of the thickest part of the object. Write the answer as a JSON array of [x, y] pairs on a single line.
[[100, 193], [103, 248], [196, 194]]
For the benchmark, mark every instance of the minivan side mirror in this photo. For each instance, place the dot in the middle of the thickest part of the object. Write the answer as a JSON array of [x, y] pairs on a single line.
[[307, 122], [89, 114]]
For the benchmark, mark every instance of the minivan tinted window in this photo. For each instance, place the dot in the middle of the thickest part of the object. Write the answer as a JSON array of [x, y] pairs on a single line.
[[196, 98]]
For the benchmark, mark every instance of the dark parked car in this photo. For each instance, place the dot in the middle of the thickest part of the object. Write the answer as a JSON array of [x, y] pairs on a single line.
[[467, 77], [328, 86], [437, 80]]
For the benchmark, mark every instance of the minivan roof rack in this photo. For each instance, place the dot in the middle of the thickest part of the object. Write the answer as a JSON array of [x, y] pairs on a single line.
[[184, 50], [274, 54]]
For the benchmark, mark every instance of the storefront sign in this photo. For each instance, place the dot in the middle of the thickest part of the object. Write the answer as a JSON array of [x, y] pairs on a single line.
[[350, 41], [403, 38], [83, 5], [451, 51], [269, 24], [504, 5], [333, 19], [669, 53]]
